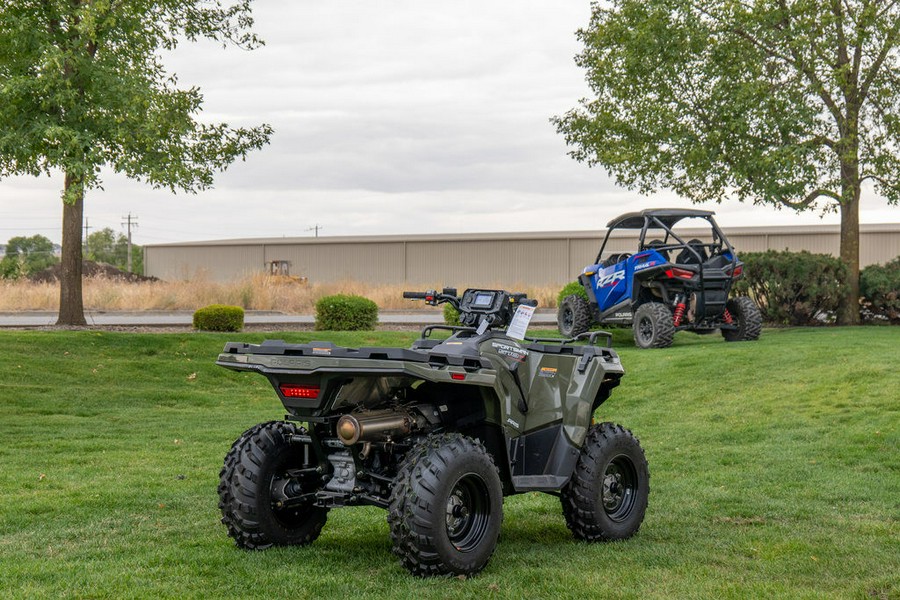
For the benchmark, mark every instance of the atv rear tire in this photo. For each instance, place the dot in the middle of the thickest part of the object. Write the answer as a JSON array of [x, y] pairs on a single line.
[[653, 326], [574, 316], [248, 498], [746, 316], [446, 507], [607, 496]]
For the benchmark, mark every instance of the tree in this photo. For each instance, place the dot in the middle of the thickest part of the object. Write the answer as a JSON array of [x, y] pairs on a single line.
[[789, 103], [26, 255], [107, 246], [82, 86]]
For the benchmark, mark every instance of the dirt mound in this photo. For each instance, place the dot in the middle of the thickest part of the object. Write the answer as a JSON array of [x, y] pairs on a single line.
[[91, 269]]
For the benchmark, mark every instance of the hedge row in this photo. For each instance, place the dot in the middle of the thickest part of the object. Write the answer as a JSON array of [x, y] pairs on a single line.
[[343, 312], [219, 317], [879, 286], [793, 288]]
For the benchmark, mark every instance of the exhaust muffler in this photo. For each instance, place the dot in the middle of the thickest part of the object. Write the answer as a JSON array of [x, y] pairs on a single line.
[[375, 426]]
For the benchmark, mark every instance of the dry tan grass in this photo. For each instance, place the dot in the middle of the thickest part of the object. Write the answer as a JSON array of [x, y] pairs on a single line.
[[259, 292]]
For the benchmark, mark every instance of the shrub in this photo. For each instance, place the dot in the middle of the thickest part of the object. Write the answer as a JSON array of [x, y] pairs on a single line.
[[793, 288], [571, 288], [343, 312], [451, 315], [879, 286], [219, 317]]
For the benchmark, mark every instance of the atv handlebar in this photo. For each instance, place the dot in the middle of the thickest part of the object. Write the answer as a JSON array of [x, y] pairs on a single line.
[[477, 307]]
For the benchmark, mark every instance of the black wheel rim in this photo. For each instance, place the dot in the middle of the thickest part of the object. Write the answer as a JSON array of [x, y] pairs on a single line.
[[468, 512], [568, 319], [645, 329], [619, 488]]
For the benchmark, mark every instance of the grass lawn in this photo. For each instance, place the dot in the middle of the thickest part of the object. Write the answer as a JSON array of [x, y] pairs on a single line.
[[775, 472]]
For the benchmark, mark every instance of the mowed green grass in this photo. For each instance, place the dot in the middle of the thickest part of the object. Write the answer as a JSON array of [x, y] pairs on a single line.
[[775, 472]]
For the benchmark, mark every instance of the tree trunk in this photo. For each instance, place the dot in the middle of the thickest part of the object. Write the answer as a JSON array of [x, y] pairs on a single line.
[[71, 305], [848, 313]]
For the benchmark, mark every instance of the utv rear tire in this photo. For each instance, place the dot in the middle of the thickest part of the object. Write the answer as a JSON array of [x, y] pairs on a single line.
[[607, 496], [653, 326], [574, 316], [446, 507], [745, 314], [256, 462]]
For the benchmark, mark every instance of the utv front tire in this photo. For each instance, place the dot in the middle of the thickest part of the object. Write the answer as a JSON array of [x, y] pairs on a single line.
[[746, 316], [653, 326], [574, 316], [607, 496], [446, 507], [256, 468]]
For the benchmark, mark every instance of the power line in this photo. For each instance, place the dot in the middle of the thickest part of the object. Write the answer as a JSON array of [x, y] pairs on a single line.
[[130, 221]]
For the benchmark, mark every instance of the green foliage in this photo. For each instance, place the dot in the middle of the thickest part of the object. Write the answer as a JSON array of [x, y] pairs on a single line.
[[792, 490], [219, 317], [103, 97], [344, 312], [575, 288], [451, 315], [26, 255], [83, 88], [713, 100], [879, 286], [107, 246], [793, 288]]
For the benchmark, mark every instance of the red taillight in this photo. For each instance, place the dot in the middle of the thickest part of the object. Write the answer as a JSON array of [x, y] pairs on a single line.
[[738, 271], [679, 273], [458, 376], [293, 390]]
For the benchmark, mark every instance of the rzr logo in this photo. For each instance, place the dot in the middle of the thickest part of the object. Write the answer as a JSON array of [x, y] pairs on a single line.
[[611, 279]]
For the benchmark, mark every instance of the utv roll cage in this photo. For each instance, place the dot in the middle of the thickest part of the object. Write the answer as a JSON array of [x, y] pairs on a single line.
[[693, 251]]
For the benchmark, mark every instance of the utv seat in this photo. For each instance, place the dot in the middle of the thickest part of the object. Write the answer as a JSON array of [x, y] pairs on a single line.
[[614, 259], [686, 257], [658, 245]]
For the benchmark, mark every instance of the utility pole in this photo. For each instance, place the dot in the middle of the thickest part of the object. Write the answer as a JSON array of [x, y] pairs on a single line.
[[86, 228], [129, 221], [315, 228]]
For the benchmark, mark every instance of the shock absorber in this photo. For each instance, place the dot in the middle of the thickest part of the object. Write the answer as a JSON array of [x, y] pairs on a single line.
[[679, 310], [727, 317]]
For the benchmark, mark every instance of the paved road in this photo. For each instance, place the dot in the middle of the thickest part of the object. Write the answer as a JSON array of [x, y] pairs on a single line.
[[184, 318]]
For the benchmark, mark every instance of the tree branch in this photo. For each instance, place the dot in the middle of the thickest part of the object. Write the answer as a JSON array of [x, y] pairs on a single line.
[[810, 199], [890, 42], [817, 84]]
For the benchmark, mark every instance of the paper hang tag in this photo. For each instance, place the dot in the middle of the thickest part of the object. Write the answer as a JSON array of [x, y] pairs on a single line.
[[482, 327], [520, 321]]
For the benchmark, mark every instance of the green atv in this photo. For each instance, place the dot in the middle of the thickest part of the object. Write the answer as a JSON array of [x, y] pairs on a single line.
[[437, 435]]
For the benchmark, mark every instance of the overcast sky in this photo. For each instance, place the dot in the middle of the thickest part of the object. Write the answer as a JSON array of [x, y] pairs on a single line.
[[399, 117]]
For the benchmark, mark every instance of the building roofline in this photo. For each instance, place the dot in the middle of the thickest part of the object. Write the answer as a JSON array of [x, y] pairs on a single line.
[[525, 235]]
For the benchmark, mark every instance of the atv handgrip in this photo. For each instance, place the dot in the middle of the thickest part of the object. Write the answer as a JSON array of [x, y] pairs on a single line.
[[415, 295]]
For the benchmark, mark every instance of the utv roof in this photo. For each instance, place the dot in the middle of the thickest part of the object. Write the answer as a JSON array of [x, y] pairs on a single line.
[[668, 216]]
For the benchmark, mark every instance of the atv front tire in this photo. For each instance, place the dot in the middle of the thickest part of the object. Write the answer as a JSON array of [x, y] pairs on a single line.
[[607, 496], [653, 326], [258, 468], [746, 316], [574, 316], [446, 506]]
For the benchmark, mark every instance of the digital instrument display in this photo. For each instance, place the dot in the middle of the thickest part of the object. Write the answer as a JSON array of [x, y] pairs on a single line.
[[483, 300]]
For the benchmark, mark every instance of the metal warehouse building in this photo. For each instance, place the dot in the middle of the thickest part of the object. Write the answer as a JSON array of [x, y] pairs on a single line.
[[478, 259]]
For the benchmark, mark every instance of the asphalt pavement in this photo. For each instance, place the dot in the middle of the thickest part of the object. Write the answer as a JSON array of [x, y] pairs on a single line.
[[251, 317]]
